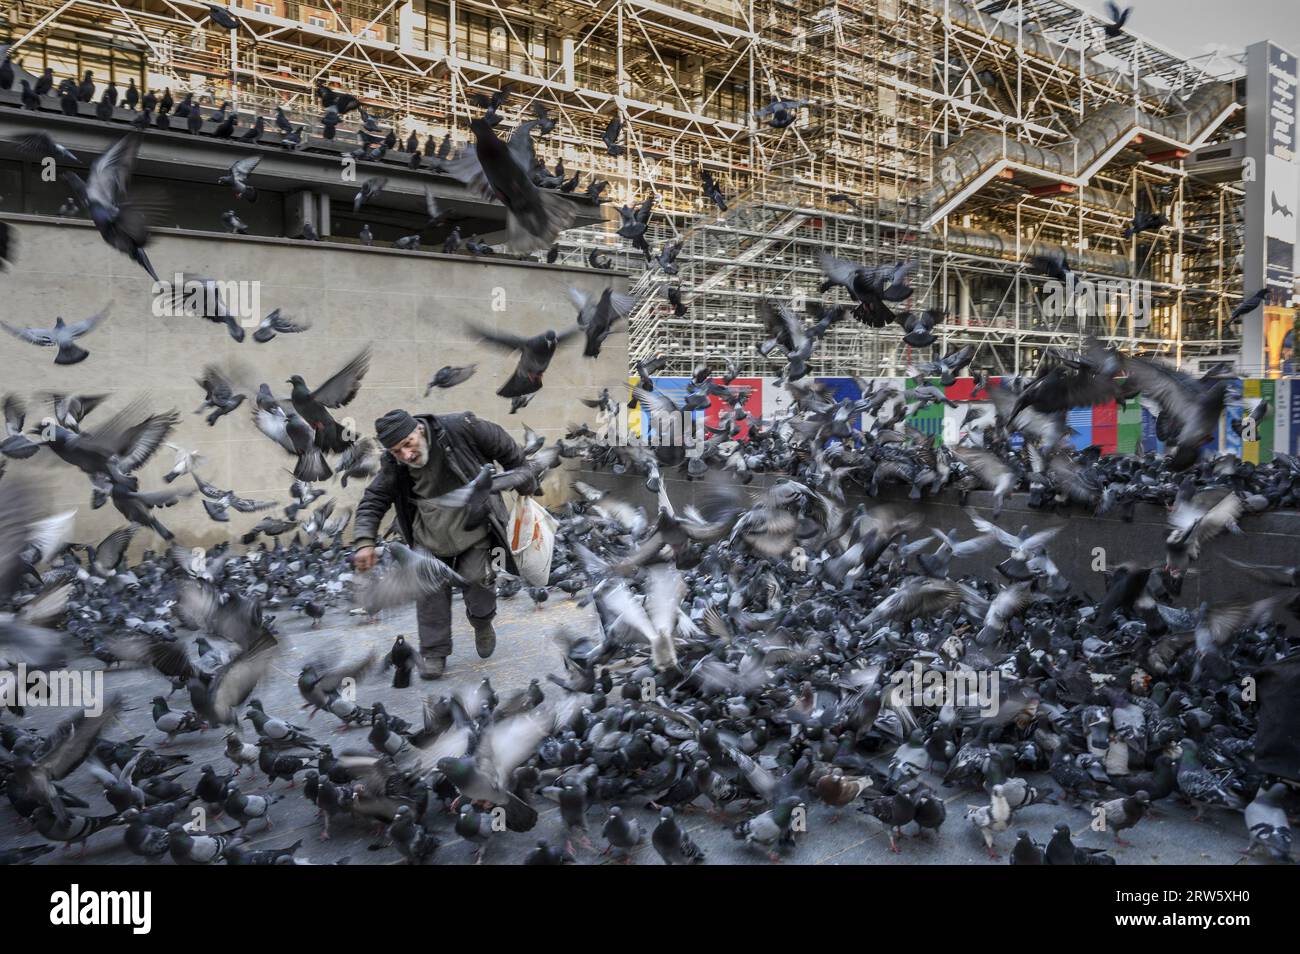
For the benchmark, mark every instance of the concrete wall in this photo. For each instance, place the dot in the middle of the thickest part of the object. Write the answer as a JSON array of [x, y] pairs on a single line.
[[411, 308], [1269, 538]]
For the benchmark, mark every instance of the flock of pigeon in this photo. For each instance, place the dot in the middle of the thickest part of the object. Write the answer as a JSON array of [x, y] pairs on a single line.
[[718, 672], [741, 655]]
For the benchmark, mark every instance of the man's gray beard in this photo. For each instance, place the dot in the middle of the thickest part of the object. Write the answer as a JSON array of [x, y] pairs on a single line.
[[418, 462]]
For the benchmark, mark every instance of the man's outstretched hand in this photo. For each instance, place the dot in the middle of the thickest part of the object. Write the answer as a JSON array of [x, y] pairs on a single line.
[[364, 559]]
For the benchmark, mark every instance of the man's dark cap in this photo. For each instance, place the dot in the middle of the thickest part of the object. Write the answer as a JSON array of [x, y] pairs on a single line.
[[393, 427]]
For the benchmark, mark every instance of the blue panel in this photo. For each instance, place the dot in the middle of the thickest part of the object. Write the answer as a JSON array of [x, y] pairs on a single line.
[[841, 388], [1231, 439], [1149, 441], [674, 388], [1294, 394], [1080, 418]]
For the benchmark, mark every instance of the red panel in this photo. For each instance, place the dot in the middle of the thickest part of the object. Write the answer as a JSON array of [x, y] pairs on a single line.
[[753, 404], [1105, 415], [963, 390], [1106, 436], [959, 390]]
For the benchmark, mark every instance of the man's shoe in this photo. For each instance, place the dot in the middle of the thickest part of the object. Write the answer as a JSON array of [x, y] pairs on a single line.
[[485, 640], [432, 667]]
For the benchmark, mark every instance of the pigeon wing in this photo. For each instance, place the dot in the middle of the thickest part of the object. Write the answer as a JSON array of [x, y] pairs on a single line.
[[82, 327], [110, 173], [343, 386], [36, 336]]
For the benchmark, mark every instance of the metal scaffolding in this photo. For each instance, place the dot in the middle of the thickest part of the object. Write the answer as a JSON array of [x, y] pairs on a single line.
[[962, 137]]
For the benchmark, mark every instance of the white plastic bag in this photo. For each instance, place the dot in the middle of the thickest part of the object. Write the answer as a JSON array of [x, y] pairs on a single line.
[[531, 535]]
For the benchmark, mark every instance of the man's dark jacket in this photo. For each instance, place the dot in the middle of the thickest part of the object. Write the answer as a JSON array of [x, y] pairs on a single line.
[[1277, 739], [468, 443]]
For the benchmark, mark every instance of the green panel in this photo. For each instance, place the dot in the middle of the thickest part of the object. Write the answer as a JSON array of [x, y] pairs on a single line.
[[930, 420], [1130, 413], [1127, 438], [1268, 391]]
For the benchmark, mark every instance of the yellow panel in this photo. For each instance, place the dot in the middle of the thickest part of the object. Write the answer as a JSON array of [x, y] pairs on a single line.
[[1278, 322], [633, 415]]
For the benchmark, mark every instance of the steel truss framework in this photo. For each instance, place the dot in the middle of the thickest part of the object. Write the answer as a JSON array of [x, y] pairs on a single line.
[[881, 164]]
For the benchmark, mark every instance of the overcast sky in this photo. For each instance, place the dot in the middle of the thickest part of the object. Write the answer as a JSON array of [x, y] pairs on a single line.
[[1192, 27]]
